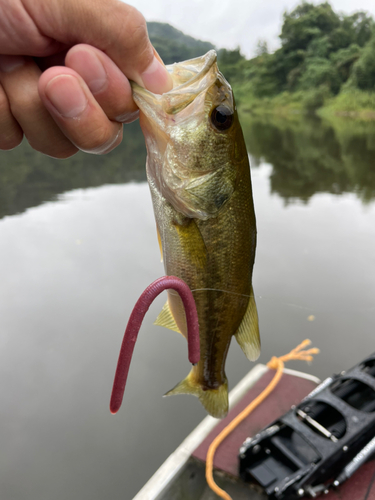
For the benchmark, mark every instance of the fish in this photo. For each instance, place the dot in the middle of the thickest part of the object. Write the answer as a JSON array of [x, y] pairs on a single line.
[[199, 177]]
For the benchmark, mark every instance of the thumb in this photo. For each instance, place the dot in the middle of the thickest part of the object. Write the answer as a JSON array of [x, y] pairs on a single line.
[[112, 26]]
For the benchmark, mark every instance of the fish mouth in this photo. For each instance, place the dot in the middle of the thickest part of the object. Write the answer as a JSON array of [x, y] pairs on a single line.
[[190, 78]]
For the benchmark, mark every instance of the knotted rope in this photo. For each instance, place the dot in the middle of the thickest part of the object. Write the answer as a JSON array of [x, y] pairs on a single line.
[[274, 364]]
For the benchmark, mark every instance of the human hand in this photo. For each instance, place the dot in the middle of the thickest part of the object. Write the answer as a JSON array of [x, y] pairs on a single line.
[[82, 104]]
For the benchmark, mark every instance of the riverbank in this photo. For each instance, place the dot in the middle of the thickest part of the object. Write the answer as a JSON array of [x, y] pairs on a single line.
[[311, 155], [354, 104]]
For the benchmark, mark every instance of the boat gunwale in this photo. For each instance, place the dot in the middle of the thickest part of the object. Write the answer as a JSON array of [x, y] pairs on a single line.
[[174, 464]]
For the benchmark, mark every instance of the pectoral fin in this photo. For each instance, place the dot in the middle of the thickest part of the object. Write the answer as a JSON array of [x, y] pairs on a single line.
[[192, 243], [166, 319], [160, 244], [247, 334]]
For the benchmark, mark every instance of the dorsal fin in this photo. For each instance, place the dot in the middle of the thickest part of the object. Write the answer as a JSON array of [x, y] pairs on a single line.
[[247, 334], [166, 319]]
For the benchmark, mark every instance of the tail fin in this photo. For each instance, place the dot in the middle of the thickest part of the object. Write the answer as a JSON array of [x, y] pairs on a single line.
[[215, 401]]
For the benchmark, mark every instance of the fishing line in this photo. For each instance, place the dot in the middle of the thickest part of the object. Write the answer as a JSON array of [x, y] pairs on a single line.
[[315, 309], [289, 304], [261, 297]]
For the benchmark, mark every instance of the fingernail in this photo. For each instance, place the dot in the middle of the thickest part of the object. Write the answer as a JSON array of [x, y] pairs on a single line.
[[93, 72], [10, 63], [128, 117], [156, 78], [66, 96], [107, 146]]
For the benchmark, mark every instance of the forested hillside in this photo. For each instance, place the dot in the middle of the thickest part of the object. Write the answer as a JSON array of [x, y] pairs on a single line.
[[322, 54], [318, 47], [173, 45], [325, 58]]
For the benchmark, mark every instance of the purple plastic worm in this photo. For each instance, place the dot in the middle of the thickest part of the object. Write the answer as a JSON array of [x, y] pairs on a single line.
[[134, 324]]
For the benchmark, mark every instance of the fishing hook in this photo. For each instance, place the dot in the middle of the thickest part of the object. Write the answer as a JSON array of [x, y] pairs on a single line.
[[134, 324]]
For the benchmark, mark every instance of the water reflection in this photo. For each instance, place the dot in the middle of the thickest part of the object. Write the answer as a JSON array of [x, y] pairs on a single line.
[[308, 156], [71, 272], [311, 156], [28, 178], [72, 269]]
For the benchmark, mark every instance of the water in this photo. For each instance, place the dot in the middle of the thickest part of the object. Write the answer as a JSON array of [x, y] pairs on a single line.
[[78, 245]]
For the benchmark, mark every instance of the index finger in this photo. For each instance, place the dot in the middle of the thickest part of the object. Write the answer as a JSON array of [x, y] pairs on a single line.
[[112, 26]]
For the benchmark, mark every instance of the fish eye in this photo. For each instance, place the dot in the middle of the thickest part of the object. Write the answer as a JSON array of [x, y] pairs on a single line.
[[222, 118]]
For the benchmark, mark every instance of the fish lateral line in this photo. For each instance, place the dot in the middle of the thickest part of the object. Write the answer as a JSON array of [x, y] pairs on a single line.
[[218, 290]]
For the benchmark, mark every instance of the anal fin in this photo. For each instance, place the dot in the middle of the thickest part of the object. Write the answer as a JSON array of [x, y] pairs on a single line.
[[247, 334], [166, 319]]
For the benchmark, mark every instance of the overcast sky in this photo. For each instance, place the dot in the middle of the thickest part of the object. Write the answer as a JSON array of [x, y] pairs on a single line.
[[232, 23]]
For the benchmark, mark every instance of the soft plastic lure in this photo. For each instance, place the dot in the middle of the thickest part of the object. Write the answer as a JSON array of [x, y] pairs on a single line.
[[134, 324]]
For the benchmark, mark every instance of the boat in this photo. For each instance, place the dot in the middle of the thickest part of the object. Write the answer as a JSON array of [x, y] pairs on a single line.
[[182, 475]]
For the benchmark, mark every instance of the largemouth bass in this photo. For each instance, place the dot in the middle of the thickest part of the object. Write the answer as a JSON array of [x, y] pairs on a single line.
[[199, 177]]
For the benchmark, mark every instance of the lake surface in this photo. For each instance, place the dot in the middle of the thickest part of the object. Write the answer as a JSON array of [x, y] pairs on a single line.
[[77, 247]]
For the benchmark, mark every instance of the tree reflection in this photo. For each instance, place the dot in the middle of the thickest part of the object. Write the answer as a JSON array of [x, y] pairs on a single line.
[[28, 178], [309, 155]]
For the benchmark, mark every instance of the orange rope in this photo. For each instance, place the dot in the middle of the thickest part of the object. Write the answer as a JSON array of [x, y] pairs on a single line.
[[275, 364]]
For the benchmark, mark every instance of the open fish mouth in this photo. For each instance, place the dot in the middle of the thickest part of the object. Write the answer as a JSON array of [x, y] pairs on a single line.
[[181, 140], [190, 78]]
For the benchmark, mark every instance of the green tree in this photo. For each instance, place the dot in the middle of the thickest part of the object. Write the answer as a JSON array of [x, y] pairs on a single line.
[[261, 48], [359, 27], [230, 63], [320, 47], [320, 71], [305, 23], [363, 72], [344, 59], [320, 52]]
